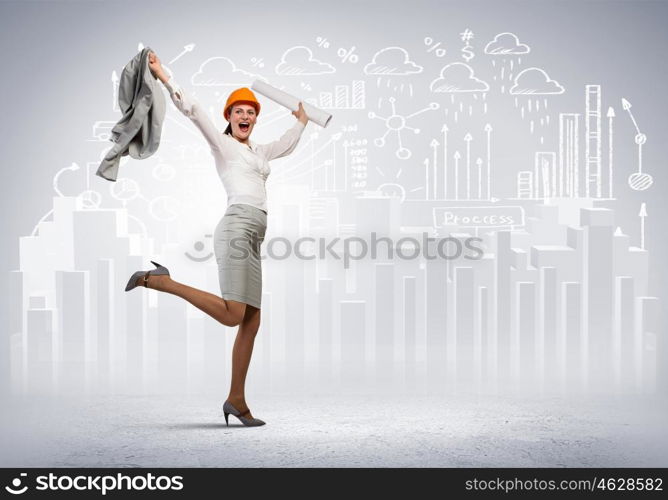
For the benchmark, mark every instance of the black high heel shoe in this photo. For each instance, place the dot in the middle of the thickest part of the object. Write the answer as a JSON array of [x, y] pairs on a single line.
[[160, 270]]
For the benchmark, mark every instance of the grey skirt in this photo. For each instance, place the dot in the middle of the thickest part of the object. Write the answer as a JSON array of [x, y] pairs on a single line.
[[236, 242]]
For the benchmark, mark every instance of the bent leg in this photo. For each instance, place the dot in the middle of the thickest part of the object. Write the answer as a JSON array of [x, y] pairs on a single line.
[[227, 312]]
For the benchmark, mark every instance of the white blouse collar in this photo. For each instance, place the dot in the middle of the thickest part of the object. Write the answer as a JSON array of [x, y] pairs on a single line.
[[251, 145]]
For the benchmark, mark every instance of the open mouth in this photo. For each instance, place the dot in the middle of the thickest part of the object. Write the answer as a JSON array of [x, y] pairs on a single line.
[[243, 126]]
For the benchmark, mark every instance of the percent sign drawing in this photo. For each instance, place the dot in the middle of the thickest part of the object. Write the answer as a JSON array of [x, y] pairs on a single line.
[[322, 42], [257, 62], [348, 54], [434, 46]]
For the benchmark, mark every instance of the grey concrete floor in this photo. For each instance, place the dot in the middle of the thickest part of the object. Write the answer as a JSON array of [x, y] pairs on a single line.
[[334, 431]]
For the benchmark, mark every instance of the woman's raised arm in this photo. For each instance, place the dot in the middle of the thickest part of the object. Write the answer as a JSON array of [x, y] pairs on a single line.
[[186, 104], [288, 141]]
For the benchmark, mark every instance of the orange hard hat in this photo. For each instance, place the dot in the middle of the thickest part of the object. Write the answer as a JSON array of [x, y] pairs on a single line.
[[241, 96]]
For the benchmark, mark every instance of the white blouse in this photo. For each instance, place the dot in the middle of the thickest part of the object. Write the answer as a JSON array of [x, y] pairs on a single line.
[[242, 169]]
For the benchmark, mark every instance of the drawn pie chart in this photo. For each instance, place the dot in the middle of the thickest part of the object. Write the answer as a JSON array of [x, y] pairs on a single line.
[[124, 190], [164, 172], [89, 200], [165, 208]]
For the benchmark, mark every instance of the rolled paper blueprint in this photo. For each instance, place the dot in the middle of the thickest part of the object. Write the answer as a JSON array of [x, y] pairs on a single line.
[[316, 115]]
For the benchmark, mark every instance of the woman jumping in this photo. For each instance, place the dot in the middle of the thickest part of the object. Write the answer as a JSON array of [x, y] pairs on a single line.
[[243, 167]]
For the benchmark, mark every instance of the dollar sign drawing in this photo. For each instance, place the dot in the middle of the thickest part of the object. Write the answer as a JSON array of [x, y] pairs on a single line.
[[467, 53]]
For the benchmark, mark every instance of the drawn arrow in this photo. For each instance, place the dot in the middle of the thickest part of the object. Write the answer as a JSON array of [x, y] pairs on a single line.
[[488, 129], [434, 145], [71, 168], [627, 106], [479, 163], [444, 129], [426, 178], [186, 49], [468, 139], [332, 139], [457, 156]]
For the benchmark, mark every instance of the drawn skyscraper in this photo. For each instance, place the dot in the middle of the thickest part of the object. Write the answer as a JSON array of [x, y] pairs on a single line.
[[568, 155], [598, 286], [593, 141], [73, 328], [571, 332], [465, 304], [384, 321], [647, 315], [502, 306], [326, 311], [409, 299], [40, 349], [624, 334], [545, 175], [353, 329], [548, 323], [436, 284], [525, 331], [525, 185]]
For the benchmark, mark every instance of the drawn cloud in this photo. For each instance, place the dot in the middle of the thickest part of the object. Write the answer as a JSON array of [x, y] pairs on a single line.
[[535, 81], [458, 77], [300, 61], [221, 71], [392, 61], [506, 43]]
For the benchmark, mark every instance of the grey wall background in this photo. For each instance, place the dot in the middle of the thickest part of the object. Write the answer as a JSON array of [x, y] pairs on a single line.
[[58, 57]]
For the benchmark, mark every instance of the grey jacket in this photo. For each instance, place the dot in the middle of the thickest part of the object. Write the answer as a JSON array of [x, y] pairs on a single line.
[[142, 103]]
